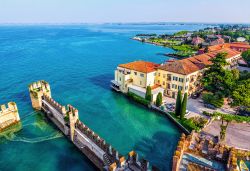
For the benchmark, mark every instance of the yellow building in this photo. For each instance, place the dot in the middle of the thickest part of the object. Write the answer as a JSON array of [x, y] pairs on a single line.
[[135, 77], [185, 74], [168, 78], [8, 116]]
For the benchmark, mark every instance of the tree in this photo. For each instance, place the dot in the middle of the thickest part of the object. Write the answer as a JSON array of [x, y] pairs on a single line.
[[206, 50], [184, 106], [148, 95], [246, 56], [159, 99], [217, 79], [241, 94], [178, 104]]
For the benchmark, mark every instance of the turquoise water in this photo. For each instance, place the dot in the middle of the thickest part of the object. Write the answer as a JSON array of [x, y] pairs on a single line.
[[79, 61]]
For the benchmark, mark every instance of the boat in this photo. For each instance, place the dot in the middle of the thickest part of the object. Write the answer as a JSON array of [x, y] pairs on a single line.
[[243, 166]]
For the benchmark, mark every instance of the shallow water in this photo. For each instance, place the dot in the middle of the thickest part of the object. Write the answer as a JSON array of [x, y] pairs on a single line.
[[79, 61]]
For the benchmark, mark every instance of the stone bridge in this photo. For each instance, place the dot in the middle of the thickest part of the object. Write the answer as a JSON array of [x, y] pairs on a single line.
[[101, 154]]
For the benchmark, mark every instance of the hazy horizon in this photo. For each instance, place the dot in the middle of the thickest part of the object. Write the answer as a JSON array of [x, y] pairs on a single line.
[[136, 11]]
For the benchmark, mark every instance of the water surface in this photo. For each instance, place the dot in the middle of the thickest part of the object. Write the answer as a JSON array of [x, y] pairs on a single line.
[[79, 61]]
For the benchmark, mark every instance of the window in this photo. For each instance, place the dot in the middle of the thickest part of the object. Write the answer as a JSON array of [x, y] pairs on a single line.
[[164, 75], [140, 83], [159, 74], [179, 87], [174, 86], [142, 75], [163, 82], [169, 86], [181, 80], [158, 81], [154, 74], [120, 78], [135, 73], [169, 77], [186, 87], [187, 79], [175, 78]]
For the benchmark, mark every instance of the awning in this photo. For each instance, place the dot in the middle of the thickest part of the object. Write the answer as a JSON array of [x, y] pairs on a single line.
[[115, 83]]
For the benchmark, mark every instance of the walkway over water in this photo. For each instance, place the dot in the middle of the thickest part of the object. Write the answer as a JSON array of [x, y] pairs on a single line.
[[101, 154]]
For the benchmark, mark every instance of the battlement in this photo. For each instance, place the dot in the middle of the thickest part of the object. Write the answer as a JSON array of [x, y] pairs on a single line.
[[61, 109], [8, 115], [39, 85], [11, 107], [37, 91]]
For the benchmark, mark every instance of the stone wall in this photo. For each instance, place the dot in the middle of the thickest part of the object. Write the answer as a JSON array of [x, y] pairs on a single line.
[[8, 115]]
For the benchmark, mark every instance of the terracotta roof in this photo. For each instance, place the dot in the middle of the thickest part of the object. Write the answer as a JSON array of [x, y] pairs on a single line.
[[227, 45], [195, 63], [230, 53], [183, 67], [140, 66], [155, 86]]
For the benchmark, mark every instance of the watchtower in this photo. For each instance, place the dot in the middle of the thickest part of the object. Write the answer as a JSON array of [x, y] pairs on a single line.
[[37, 90]]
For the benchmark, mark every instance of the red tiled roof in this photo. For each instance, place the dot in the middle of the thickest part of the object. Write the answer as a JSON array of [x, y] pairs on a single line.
[[140, 66], [227, 45], [195, 63]]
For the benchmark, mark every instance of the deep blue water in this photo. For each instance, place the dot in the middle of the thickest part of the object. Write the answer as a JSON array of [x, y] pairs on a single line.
[[79, 61]]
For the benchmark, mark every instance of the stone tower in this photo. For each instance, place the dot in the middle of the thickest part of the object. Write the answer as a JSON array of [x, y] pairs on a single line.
[[9, 115], [73, 117], [37, 90]]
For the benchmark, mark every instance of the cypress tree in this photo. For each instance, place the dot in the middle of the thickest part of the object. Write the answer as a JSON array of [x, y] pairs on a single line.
[[159, 99], [178, 104], [184, 106], [148, 95]]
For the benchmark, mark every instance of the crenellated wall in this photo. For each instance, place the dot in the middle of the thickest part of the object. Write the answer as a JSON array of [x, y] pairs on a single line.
[[8, 115], [103, 155], [37, 90]]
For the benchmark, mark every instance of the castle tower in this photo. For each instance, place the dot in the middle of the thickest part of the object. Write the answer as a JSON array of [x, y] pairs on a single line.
[[37, 90], [9, 115], [73, 117]]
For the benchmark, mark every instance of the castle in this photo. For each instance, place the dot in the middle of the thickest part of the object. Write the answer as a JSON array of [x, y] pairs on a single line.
[[66, 118], [8, 116]]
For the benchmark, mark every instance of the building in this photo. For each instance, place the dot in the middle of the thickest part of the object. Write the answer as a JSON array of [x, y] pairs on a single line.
[[185, 74], [8, 116], [197, 41], [135, 77], [238, 46]]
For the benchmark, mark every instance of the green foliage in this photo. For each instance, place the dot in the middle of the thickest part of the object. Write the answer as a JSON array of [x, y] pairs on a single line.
[[241, 94], [195, 123], [180, 33], [66, 118], [138, 99], [148, 95], [236, 74], [159, 99], [218, 80], [213, 99], [229, 117], [246, 56], [178, 104], [184, 106], [223, 129]]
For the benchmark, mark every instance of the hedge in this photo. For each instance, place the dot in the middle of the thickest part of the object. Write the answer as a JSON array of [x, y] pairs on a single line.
[[228, 117], [138, 99]]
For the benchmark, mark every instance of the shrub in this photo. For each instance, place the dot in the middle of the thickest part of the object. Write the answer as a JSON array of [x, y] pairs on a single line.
[[178, 104], [184, 106], [229, 117], [138, 99], [148, 95], [159, 99], [212, 99]]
